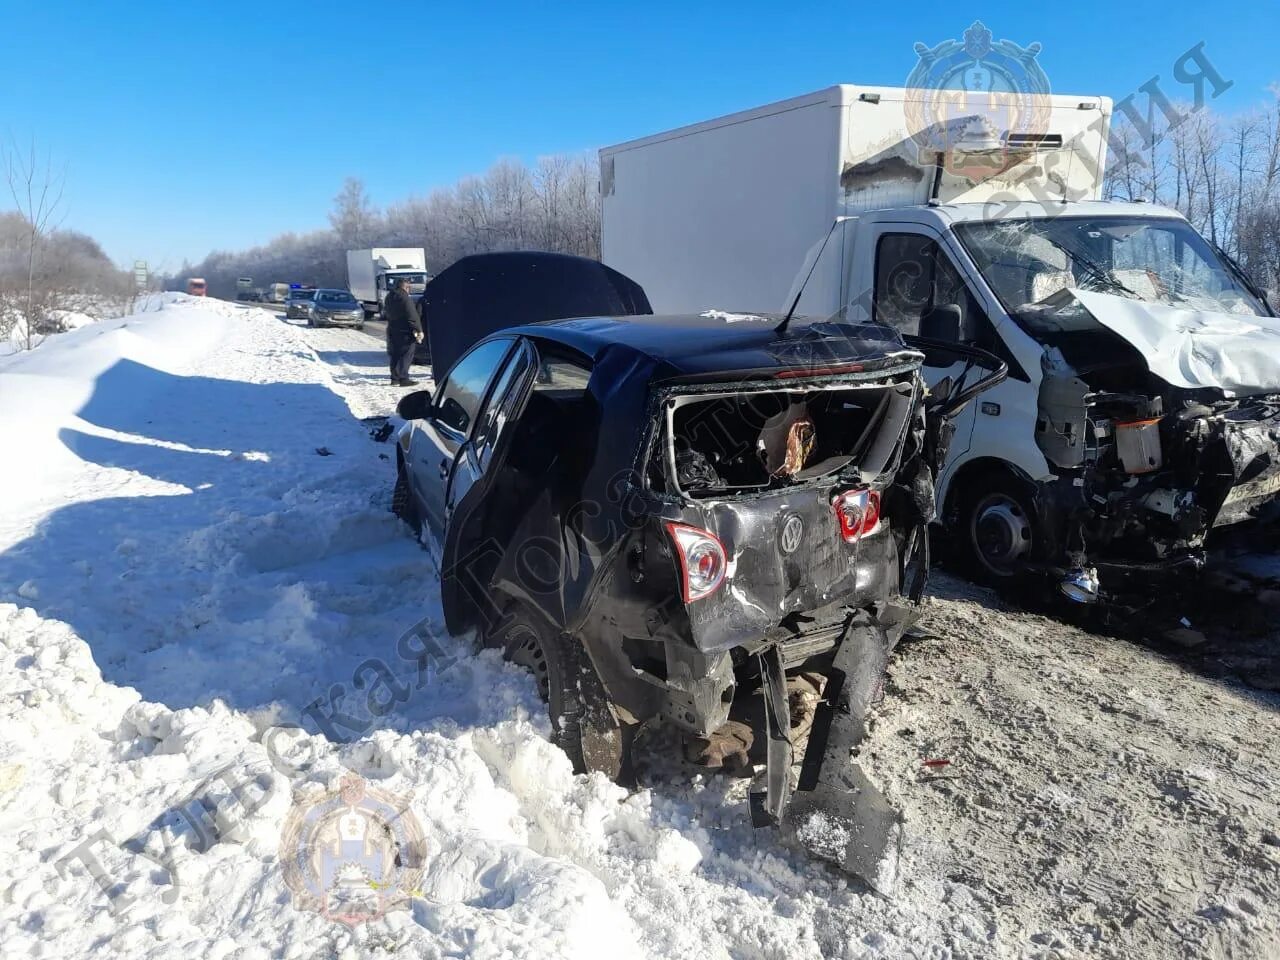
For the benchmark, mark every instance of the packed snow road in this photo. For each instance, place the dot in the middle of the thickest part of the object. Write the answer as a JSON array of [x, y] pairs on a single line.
[[196, 556]]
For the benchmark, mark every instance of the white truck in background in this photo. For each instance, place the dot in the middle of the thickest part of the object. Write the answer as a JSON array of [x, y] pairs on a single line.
[[369, 270], [1142, 406]]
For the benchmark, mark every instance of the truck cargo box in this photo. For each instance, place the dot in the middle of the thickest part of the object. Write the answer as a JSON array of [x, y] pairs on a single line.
[[720, 214]]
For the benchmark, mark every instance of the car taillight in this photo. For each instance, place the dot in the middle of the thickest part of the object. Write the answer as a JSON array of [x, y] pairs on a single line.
[[702, 560], [858, 512]]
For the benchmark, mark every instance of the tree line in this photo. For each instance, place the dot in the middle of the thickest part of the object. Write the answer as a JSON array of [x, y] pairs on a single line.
[[553, 205]]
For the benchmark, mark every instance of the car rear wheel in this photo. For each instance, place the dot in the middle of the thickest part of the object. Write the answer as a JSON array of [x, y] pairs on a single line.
[[997, 530], [402, 504], [528, 643]]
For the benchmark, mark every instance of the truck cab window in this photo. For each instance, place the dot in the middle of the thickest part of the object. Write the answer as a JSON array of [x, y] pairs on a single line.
[[913, 276]]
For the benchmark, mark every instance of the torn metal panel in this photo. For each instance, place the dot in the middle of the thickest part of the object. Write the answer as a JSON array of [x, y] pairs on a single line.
[[837, 813]]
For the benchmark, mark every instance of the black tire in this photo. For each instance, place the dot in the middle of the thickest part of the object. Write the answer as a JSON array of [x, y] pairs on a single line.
[[527, 642], [360, 326], [310, 322], [997, 532], [402, 504]]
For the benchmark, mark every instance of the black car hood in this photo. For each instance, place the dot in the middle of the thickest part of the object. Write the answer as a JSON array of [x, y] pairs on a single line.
[[487, 292]]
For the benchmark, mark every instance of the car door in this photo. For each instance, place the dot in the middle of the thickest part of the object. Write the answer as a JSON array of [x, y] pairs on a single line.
[[496, 414], [439, 437]]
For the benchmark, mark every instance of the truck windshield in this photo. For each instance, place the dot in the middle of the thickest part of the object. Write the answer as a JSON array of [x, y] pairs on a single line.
[[1031, 263], [416, 280]]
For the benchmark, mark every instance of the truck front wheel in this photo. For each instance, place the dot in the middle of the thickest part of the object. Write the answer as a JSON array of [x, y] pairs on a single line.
[[997, 530]]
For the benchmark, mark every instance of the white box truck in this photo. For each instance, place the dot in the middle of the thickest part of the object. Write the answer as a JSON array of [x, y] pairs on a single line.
[[1142, 407], [369, 270]]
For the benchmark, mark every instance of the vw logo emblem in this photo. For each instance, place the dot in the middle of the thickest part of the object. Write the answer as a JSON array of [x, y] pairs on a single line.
[[792, 534]]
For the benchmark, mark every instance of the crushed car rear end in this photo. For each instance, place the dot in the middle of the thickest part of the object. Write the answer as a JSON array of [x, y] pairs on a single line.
[[774, 515]]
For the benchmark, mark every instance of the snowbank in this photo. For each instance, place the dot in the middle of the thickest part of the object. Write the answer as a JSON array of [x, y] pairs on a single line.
[[190, 582]]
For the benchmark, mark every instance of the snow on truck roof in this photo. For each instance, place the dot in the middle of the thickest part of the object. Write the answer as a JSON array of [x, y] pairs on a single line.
[[836, 95]]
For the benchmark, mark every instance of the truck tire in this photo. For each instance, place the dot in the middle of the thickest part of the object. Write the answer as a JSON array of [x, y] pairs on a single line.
[[997, 532]]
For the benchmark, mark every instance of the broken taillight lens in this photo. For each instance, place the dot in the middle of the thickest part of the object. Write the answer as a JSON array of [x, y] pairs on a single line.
[[702, 560], [858, 512]]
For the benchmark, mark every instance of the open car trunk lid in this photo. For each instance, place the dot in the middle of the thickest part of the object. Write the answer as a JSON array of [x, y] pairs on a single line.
[[484, 293]]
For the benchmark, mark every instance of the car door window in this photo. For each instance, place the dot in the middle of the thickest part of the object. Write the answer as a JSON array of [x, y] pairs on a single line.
[[500, 408], [460, 395]]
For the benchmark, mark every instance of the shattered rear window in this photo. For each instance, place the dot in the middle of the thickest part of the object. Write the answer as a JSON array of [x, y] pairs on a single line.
[[732, 443]]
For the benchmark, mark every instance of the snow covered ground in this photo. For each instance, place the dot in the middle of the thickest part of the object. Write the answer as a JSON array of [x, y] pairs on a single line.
[[196, 555]]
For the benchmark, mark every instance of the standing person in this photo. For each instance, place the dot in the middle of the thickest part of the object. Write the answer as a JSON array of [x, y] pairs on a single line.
[[404, 331]]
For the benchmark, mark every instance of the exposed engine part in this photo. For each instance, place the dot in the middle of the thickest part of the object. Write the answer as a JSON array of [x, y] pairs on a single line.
[[1144, 470], [1138, 445], [1171, 503], [1061, 425], [1080, 584]]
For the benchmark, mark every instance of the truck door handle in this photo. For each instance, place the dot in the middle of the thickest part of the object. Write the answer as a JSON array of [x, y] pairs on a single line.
[[444, 469]]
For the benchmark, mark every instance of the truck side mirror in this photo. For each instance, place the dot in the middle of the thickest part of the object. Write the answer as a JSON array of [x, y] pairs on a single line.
[[942, 323], [415, 406]]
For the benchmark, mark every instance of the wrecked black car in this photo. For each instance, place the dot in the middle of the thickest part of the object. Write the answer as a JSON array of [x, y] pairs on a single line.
[[662, 517]]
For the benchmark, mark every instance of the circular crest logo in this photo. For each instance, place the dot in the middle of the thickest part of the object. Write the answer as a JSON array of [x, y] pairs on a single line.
[[792, 534], [977, 102], [352, 854]]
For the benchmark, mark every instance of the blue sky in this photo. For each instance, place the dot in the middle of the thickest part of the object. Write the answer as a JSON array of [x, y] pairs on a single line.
[[191, 126]]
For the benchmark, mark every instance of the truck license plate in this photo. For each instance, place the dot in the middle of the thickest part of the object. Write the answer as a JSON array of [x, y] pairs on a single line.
[[1262, 487]]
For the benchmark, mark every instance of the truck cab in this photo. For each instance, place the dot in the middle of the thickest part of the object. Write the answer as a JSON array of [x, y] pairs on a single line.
[[1101, 451]]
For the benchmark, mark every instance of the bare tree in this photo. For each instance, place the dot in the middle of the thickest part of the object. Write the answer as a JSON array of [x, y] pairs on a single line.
[[353, 218], [36, 190]]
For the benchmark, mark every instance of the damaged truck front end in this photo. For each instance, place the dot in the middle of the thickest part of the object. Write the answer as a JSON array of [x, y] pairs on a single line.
[[1145, 470], [1156, 410]]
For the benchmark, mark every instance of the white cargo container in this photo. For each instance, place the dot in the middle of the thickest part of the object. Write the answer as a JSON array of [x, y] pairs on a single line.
[[369, 270], [721, 214], [972, 219]]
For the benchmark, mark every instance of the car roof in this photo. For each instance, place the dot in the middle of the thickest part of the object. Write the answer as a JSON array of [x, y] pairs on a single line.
[[716, 341]]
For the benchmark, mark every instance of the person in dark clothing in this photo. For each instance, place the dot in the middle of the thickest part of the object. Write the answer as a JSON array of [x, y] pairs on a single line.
[[404, 331]]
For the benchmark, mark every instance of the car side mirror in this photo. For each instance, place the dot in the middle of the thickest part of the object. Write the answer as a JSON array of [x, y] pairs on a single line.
[[942, 323], [940, 392], [415, 406]]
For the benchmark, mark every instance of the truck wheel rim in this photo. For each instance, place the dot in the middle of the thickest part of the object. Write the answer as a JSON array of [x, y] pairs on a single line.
[[1001, 532], [524, 649]]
